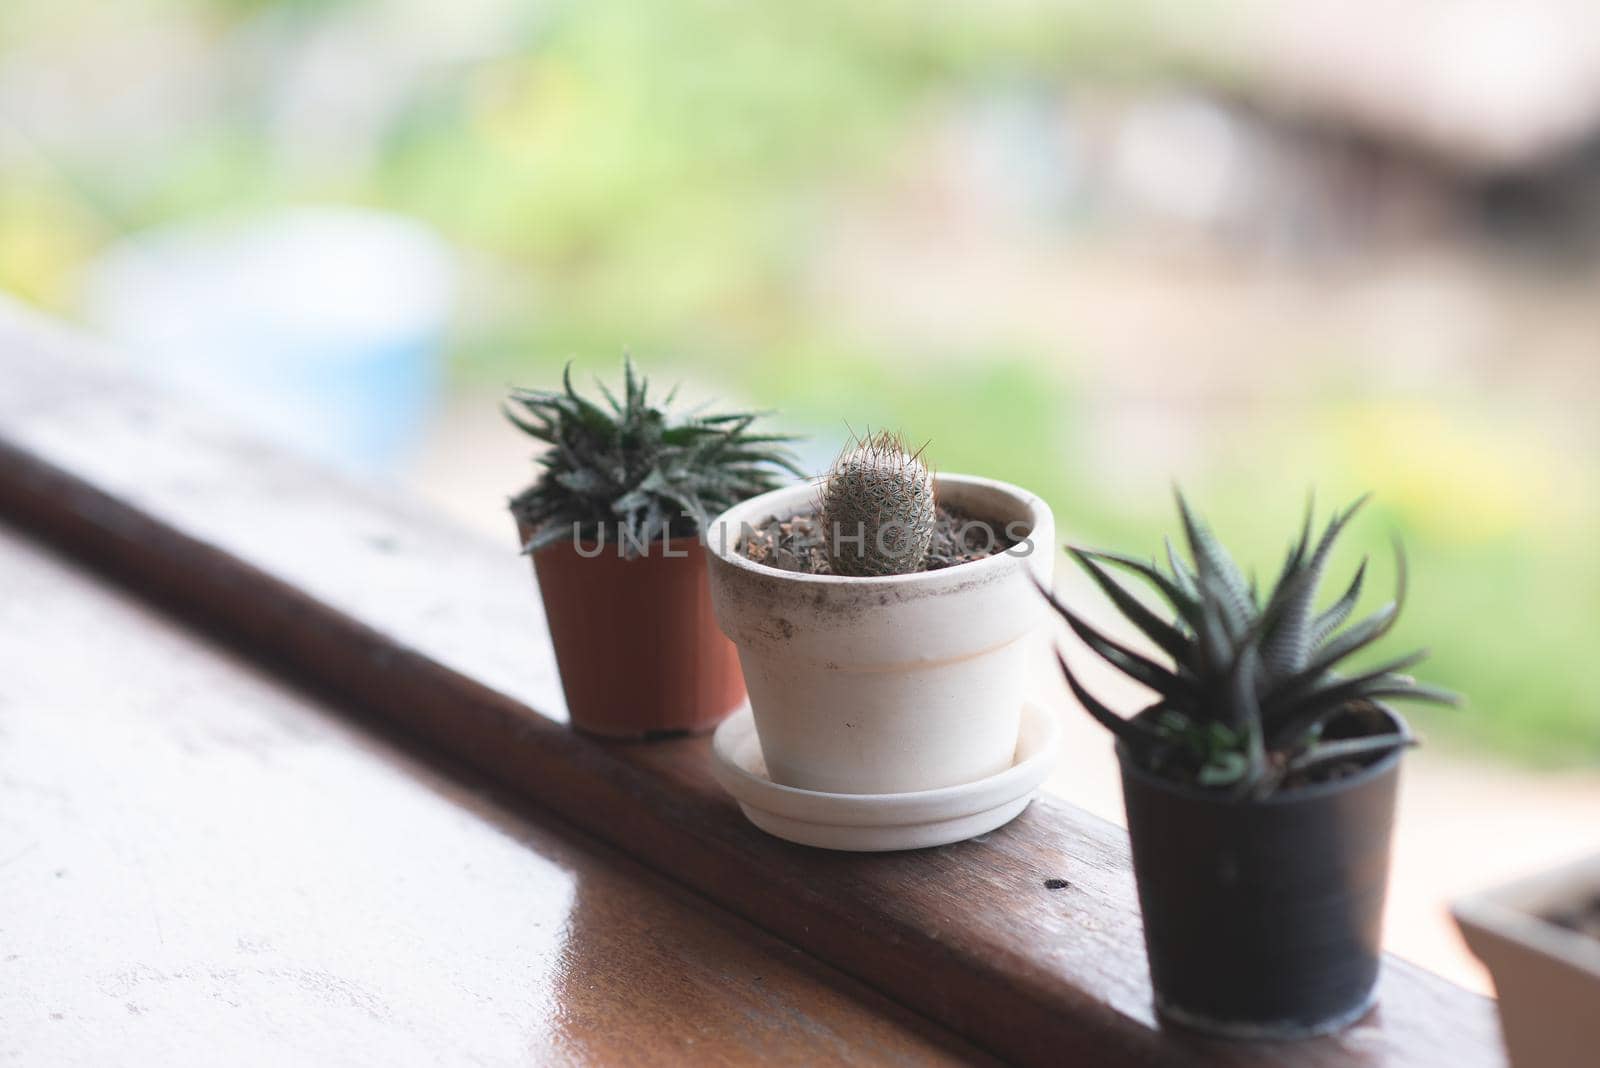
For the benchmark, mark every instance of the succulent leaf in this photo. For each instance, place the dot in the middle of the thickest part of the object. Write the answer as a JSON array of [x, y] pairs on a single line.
[[1289, 646], [1335, 615], [1169, 638], [1133, 731], [1173, 686], [1254, 679], [1182, 577], [1213, 564], [1286, 691], [637, 472], [1313, 708], [1186, 604], [1348, 749]]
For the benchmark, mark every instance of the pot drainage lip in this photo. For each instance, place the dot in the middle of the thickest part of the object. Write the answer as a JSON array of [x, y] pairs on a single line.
[[882, 822]]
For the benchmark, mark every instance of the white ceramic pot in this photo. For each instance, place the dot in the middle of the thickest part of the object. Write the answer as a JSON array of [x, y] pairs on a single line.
[[894, 684], [1546, 976]]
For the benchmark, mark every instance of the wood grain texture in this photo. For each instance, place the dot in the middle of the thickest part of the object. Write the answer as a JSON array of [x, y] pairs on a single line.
[[199, 864], [427, 630]]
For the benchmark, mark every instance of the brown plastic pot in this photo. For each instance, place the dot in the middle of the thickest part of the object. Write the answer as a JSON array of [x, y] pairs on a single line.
[[1546, 975], [636, 640]]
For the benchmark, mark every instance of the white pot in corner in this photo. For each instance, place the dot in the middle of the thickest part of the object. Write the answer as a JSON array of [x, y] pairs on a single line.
[[894, 684], [1546, 976]]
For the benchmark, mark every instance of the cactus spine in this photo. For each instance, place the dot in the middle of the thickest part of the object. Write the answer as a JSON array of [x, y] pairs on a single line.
[[877, 509]]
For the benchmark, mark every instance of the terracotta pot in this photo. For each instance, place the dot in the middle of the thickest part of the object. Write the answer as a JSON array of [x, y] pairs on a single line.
[[636, 640]]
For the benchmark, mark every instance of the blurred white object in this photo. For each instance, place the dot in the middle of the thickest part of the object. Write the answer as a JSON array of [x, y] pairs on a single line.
[[1492, 83], [321, 327], [1180, 156], [878, 823]]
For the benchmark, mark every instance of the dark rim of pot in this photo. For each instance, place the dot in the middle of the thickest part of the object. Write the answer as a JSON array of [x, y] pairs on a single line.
[[1372, 771]]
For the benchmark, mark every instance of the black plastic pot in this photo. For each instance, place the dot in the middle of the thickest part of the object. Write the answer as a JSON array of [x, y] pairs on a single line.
[[1262, 919]]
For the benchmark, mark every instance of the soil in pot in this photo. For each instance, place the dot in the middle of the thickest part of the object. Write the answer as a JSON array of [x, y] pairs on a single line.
[[637, 642], [796, 543], [1263, 918]]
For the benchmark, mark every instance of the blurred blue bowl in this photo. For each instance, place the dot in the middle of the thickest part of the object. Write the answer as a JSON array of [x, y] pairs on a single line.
[[319, 327]]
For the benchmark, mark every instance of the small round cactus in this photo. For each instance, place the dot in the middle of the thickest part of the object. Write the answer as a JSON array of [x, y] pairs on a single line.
[[877, 509]]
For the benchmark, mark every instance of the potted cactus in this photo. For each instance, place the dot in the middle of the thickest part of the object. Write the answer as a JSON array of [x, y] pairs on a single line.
[[1259, 784], [883, 617], [613, 523], [1540, 939]]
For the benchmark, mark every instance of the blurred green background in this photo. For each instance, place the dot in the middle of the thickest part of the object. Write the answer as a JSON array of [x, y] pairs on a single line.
[[1089, 248]]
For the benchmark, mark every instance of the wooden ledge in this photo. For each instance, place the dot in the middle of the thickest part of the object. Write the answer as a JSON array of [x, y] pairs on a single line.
[[421, 628]]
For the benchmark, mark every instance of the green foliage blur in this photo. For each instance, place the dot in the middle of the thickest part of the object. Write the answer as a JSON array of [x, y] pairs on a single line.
[[669, 179]]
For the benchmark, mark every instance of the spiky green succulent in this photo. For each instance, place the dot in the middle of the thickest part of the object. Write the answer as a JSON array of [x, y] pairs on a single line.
[[1253, 695], [632, 472], [877, 509]]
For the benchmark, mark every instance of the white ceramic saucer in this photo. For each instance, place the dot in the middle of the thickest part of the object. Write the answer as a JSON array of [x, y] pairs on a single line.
[[882, 822]]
